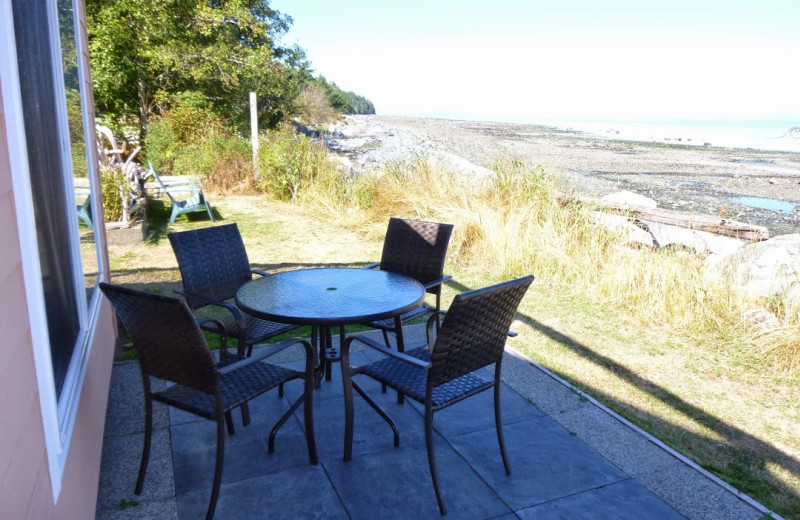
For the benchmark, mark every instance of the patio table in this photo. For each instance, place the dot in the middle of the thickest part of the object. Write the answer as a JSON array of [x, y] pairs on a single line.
[[328, 297]]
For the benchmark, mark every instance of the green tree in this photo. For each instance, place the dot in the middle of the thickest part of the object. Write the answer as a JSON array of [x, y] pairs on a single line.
[[144, 51], [345, 102]]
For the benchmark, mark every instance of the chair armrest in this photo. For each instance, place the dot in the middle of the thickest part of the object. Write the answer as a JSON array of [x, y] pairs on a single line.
[[385, 350], [259, 272], [430, 327], [438, 281], [233, 309], [223, 334], [373, 265], [263, 354]]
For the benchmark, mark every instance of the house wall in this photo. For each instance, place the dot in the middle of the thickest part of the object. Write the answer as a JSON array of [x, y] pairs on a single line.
[[26, 491]]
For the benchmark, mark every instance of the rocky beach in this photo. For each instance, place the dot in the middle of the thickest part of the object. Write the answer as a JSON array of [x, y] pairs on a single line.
[[746, 185]]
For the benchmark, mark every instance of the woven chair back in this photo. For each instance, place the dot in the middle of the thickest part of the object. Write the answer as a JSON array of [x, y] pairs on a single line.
[[166, 337], [213, 261], [474, 331], [416, 248]]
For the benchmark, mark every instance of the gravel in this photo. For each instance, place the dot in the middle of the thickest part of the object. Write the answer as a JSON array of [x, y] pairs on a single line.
[[696, 179]]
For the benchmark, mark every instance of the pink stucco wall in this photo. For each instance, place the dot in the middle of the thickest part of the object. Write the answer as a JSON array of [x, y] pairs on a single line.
[[25, 483]]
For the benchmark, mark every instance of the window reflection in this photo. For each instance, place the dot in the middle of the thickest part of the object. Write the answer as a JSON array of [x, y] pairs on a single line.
[[86, 219]]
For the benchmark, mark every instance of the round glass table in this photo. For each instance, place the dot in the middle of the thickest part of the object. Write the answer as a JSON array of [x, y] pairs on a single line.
[[328, 297]]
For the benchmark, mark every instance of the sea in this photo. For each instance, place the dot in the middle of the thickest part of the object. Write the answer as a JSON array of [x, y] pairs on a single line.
[[783, 136]]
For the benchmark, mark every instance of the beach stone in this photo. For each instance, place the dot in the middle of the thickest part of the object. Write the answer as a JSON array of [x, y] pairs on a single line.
[[630, 198], [767, 268]]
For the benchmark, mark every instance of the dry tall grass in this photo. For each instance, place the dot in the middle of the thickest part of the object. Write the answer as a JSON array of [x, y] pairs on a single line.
[[517, 222]]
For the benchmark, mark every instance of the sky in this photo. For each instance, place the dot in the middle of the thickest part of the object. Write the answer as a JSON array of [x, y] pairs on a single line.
[[556, 60]]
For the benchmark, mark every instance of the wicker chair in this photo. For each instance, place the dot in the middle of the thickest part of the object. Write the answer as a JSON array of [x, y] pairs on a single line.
[[185, 196], [214, 264], [417, 249], [471, 336], [170, 345]]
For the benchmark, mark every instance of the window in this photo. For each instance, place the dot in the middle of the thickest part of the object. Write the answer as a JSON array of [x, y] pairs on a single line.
[[43, 94]]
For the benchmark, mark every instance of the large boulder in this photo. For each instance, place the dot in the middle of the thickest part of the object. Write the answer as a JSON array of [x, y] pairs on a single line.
[[767, 268]]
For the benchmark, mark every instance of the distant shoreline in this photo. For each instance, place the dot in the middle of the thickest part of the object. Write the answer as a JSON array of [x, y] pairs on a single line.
[[704, 179], [765, 135]]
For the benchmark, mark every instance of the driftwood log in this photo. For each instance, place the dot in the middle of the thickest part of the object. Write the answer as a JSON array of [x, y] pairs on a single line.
[[709, 223]]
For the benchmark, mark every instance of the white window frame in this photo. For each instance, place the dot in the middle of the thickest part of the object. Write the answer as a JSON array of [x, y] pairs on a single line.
[[58, 414]]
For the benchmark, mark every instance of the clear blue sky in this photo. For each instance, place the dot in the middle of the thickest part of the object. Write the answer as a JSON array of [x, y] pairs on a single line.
[[542, 60]]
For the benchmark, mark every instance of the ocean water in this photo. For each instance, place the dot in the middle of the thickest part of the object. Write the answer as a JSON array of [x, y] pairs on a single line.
[[759, 135]]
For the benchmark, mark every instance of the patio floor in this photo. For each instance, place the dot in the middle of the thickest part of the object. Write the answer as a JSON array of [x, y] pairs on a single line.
[[571, 458]]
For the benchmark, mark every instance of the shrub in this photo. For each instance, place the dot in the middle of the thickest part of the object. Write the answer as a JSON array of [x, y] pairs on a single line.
[[290, 164], [190, 139], [312, 106], [114, 187]]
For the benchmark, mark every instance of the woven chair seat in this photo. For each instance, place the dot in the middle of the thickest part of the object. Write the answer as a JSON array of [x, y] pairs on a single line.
[[411, 380], [237, 387], [257, 330], [388, 324]]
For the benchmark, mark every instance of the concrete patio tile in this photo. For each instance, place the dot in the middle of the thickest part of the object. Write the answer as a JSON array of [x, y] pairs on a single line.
[[626, 500], [547, 462], [292, 494], [119, 468], [695, 496], [246, 452], [396, 484]]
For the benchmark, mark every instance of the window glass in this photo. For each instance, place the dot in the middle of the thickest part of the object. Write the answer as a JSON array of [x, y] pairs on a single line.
[[50, 177], [77, 143]]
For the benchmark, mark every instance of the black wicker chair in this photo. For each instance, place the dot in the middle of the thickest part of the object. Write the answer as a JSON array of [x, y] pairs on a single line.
[[170, 345], [417, 249], [214, 264], [471, 336]]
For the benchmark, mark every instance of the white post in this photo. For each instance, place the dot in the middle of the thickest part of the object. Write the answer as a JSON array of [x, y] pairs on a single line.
[[254, 131]]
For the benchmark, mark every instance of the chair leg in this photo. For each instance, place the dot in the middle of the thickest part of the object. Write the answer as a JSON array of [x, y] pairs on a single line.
[[208, 209], [347, 384], [212, 503], [148, 435], [498, 421], [432, 458], [229, 423]]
